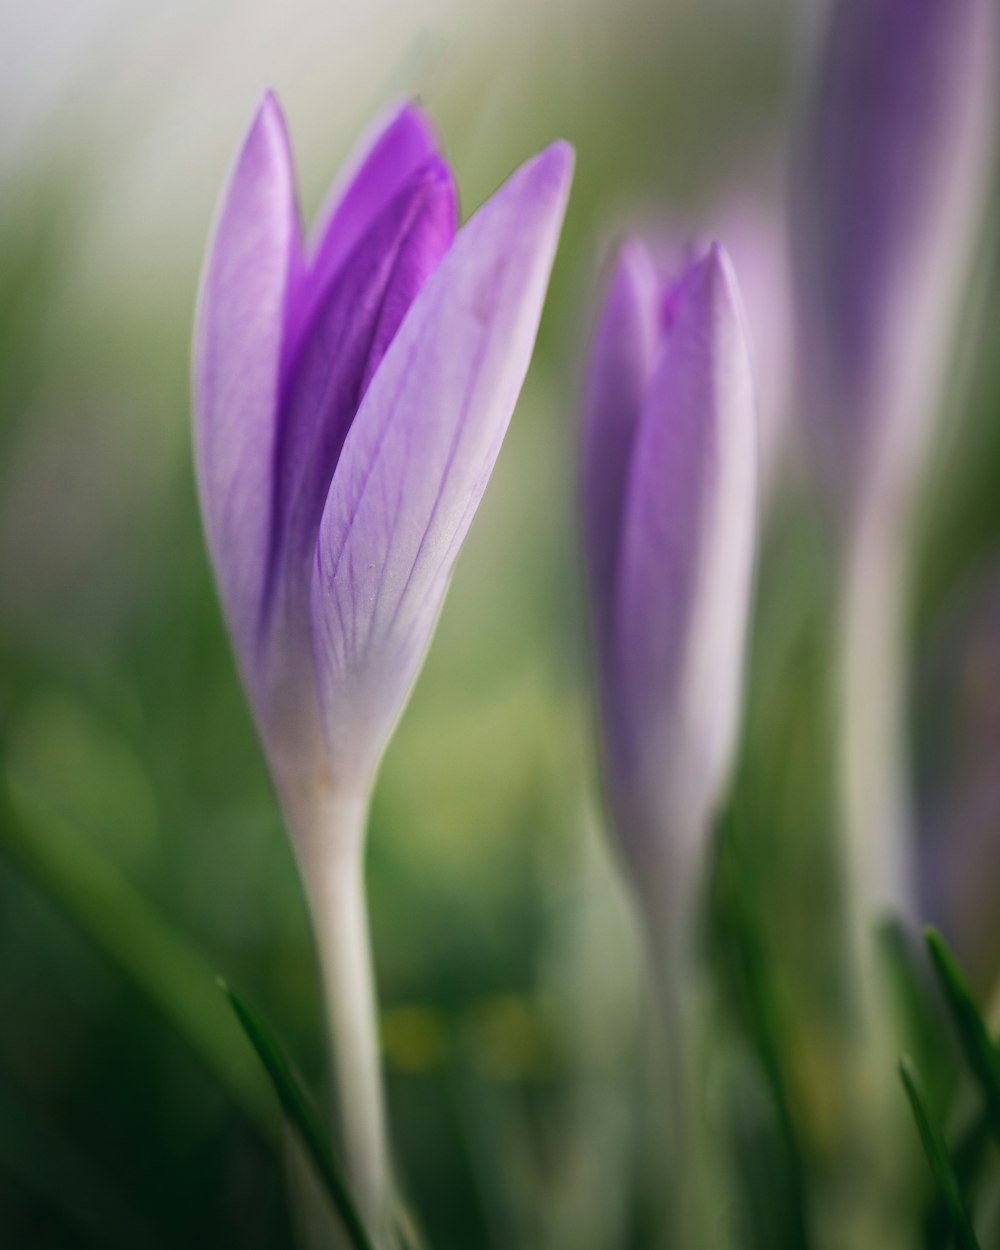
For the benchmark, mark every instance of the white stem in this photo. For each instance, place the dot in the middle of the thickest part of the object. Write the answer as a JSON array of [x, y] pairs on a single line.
[[331, 853], [878, 880], [671, 895]]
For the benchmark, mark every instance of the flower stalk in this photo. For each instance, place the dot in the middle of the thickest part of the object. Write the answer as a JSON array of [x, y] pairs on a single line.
[[331, 860], [872, 725]]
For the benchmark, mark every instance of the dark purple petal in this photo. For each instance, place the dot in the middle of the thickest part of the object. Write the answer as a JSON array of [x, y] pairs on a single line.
[[419, 454], [342, 348], [242, 310], [383, 163]]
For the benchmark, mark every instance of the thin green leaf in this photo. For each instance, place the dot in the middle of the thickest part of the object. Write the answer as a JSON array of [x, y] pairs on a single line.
[[980, 1053], [922, 1020], [968, 1157], [737, 934], [938, 1158], [300, 1116]]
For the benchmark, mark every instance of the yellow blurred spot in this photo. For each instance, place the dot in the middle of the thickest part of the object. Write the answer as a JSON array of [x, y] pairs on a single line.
[[414, 1039], [503, 1037]]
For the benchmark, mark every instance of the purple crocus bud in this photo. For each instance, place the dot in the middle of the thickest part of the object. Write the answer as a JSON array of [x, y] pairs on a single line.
[[670, 486], [351, 397], [894, 165], [669, 510], [348, 412]]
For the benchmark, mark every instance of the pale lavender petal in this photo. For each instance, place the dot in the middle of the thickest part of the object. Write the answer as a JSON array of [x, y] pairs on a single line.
[[755, 229], [685, 565], [343, 347], [419, 454], [384, 161], [894, 166], [242, 311], [621, 361]]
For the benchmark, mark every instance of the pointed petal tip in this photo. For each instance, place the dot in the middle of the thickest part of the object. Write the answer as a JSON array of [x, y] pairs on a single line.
[[268, 100], [411, 114], [549, 172], [630, 286], [631, 248], [268, 131], [632, 265], [541, 188], [713, 277], [408, 123], [557, 161], [268, 112], [719, 261]]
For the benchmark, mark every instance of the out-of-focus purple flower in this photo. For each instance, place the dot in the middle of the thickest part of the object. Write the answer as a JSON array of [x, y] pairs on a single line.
[[895, 158], [669, 509], [351, 396]]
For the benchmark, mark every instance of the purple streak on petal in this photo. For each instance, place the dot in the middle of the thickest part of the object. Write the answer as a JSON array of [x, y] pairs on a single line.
[[686, 557], [243, 303], [622, 357], [342, 349], [419, 454], [383, 163]]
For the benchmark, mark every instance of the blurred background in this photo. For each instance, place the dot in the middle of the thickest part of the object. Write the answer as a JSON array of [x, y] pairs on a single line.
[[141, 851]]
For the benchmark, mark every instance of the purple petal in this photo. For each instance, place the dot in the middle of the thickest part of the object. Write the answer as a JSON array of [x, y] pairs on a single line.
[[622, 357], [342, 349], [685, 563], [418, 456], [383, 163], [246, 284]]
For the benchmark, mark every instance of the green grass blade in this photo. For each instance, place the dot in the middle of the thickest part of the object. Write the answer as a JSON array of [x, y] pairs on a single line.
[[980, 1053], [923, 1021], [300, 1116], [938, 1158], [65, 866]]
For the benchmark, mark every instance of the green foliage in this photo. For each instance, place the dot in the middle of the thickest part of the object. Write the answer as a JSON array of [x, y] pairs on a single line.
[[980, 1053], [938, 1158], [302, 1118]]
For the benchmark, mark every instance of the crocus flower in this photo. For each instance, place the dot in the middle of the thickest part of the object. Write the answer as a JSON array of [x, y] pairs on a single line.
[[669, 466], [351, 395], [895, 160]]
